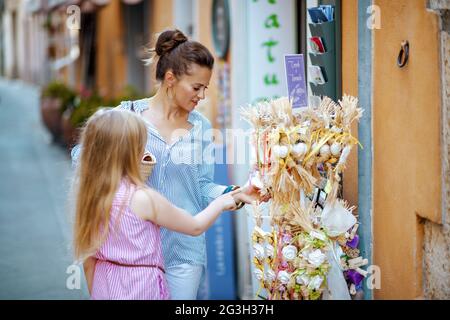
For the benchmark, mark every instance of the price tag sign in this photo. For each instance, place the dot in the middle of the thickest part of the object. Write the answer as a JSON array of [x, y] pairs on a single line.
[[296, 83]]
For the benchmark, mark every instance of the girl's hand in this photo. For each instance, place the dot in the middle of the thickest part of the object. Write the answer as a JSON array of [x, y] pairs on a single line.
[[254, 191]]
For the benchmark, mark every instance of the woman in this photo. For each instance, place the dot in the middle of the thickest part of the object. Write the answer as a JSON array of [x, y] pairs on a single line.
[[181, 140]]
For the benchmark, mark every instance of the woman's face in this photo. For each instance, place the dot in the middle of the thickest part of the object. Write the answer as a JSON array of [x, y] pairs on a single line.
[[189, 89]]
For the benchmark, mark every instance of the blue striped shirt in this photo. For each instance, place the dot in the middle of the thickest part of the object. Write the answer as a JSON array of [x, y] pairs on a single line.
[[184, 174]]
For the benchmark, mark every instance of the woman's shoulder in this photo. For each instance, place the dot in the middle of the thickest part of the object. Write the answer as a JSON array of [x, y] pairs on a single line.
[[134, 105], [200, 119]]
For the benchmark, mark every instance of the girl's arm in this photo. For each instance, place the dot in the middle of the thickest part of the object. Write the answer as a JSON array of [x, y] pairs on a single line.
[[89, 268], [150, 205]]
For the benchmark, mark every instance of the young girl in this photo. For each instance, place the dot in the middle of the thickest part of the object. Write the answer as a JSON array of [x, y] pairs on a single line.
[[118, 217]]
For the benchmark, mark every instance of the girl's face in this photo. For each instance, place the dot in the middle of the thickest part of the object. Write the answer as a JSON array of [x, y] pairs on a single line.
[[189, 89]]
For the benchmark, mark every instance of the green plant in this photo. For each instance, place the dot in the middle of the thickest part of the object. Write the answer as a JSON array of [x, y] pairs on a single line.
[[56, 89], [88, 102], [128, 93], [49, 23], [84, 108]]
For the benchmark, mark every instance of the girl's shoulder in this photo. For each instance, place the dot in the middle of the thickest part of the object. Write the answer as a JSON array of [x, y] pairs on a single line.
[[140, 203]]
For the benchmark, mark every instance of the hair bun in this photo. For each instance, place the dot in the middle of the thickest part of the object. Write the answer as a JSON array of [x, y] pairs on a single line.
[[169, 40]]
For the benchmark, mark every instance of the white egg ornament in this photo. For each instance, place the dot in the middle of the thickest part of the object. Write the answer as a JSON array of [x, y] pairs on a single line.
[[299, 149], [325, 150], [284, 151], [280, 151], [344, 155], [314, 148], [336, 149], [336, 129], [276, 150]]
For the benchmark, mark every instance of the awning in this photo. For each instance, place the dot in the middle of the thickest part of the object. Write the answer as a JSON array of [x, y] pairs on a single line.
[[85, 5], [104, 2], [54, 3], [100, 3], [32, 6], [11, 5], [131, 1]]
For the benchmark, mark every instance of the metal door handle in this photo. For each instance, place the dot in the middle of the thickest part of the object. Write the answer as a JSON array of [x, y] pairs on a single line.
[[403, 56]]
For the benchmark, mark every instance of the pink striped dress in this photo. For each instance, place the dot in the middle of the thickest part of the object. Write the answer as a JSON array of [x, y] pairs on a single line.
[[129, 263]]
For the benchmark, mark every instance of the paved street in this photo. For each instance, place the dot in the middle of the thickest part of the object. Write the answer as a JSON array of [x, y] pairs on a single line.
[[35, 175]]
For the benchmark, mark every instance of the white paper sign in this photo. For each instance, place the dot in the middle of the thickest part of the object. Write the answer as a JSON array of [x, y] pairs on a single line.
[[272, 34]]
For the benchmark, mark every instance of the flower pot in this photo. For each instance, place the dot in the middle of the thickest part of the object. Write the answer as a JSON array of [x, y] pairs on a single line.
[[51, 116], [70, 133]]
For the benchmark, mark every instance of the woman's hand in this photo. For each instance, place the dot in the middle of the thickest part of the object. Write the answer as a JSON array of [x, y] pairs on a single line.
[[231, 200]]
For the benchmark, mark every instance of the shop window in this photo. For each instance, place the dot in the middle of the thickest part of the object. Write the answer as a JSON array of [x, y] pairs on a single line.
[[136, 37], [324, 48]]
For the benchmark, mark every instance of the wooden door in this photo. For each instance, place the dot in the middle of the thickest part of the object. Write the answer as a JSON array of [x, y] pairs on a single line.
[[406, 144]]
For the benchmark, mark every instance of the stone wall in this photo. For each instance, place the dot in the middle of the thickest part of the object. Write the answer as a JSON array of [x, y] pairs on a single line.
[[437, 236]]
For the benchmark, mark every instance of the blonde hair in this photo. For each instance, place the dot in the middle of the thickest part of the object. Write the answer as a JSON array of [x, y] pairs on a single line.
[[113, 142]]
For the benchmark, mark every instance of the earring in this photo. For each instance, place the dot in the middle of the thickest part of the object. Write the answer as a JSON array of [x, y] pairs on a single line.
[[170, 95]]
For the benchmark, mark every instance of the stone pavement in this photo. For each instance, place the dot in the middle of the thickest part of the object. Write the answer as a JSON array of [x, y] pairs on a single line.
[[35, 229]]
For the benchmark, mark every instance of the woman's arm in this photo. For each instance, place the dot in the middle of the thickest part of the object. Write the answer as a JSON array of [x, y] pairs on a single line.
[[89, 268], [209, 189]]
